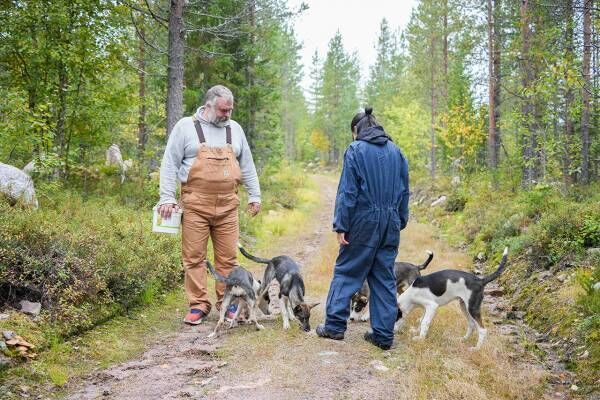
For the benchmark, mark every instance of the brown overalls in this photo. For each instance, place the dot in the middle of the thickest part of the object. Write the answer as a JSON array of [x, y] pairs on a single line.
[[210, 206]]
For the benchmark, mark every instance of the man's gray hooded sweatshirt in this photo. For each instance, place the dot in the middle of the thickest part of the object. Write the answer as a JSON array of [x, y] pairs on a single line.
[[182, 148]]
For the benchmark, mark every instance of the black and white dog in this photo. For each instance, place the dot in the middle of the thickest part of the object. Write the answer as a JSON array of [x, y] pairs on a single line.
[[239, 284], [291, 289], [405, 272], [440, 288]]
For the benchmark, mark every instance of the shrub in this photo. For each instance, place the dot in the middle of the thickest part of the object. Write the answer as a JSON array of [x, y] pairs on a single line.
[[84, 260]]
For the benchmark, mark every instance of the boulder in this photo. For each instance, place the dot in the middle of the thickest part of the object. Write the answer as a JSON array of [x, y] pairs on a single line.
[[30, 167], [30, 308], [441, 200], [17, 185], [113, 156]]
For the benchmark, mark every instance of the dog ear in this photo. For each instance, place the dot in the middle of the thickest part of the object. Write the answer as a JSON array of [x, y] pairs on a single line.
[[297, 309], [313, 305]]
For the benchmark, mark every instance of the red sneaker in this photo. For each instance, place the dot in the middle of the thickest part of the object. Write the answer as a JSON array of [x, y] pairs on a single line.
[[195, 317]]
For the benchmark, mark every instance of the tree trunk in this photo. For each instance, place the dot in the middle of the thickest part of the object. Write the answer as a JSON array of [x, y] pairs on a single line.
[[250, 75], [175, 64], [433, 113], [568, 176], [142, 129], [62, 108], [492, 92], [529, 140], [587, 88], [445, 51]]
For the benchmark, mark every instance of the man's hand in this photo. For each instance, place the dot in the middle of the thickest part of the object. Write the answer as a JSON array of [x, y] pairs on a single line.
[[341, 237], [165, 210], [253, 209]]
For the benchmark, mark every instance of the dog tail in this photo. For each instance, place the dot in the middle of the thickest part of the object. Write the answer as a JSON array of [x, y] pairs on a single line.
[[214, 273], [251, 257], [227, 280], [494, 275], [426, 263]]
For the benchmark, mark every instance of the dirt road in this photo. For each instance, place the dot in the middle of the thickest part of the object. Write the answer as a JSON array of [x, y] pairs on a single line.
[[277, 364]]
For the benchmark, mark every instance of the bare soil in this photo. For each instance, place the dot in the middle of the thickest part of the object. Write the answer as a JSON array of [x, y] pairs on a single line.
[[277, 364]]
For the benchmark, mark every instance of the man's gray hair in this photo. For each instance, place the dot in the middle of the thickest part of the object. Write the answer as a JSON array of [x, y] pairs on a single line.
[[217, 91]]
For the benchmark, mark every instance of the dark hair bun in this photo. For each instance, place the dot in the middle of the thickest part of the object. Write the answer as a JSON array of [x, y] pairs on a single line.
[[368, 110]]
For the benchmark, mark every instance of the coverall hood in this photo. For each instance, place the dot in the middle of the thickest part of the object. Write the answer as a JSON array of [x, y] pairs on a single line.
[[374, 134]]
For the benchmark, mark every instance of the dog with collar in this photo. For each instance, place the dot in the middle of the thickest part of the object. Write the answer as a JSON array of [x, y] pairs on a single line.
[[240, 285], [291, 289], [440, 288], [405, 272]]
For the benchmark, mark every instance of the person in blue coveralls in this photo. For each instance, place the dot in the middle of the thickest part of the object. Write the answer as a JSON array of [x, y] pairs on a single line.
[[371, 209]]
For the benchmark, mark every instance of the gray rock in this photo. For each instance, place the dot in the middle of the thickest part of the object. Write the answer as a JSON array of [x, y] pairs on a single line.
[[544, 275], [378, 365], [592, 251], [3, 346], [4, 316], [17, 185], [30, 308], [515, 315], [561, 278], [4, 361], [8, 335], [441, 200]]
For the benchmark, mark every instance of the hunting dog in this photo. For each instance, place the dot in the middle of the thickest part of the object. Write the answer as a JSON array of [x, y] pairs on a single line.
[[405, 273], [241, 285], [440, 288], [291, 289]]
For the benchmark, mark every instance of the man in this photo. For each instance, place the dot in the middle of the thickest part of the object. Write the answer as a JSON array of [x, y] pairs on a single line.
[[370, 210], [209, 154]]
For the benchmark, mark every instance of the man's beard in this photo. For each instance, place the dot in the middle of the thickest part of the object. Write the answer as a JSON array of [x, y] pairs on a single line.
[[219, 122]]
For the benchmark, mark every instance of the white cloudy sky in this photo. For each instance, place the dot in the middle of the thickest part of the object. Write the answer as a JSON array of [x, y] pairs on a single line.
[[357, 21]]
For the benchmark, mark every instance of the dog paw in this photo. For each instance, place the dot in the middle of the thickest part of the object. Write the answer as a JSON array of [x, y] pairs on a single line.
[[259, 327], [286, 326]]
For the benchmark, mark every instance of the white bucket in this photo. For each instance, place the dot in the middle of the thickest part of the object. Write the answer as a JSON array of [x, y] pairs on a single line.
[[163, 225]]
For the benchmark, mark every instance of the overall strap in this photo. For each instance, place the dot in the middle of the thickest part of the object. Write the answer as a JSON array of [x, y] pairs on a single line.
[[228, 134], [199, 131]]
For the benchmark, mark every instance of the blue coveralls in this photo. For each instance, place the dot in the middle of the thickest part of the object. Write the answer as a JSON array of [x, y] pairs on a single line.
[[371, 207]]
